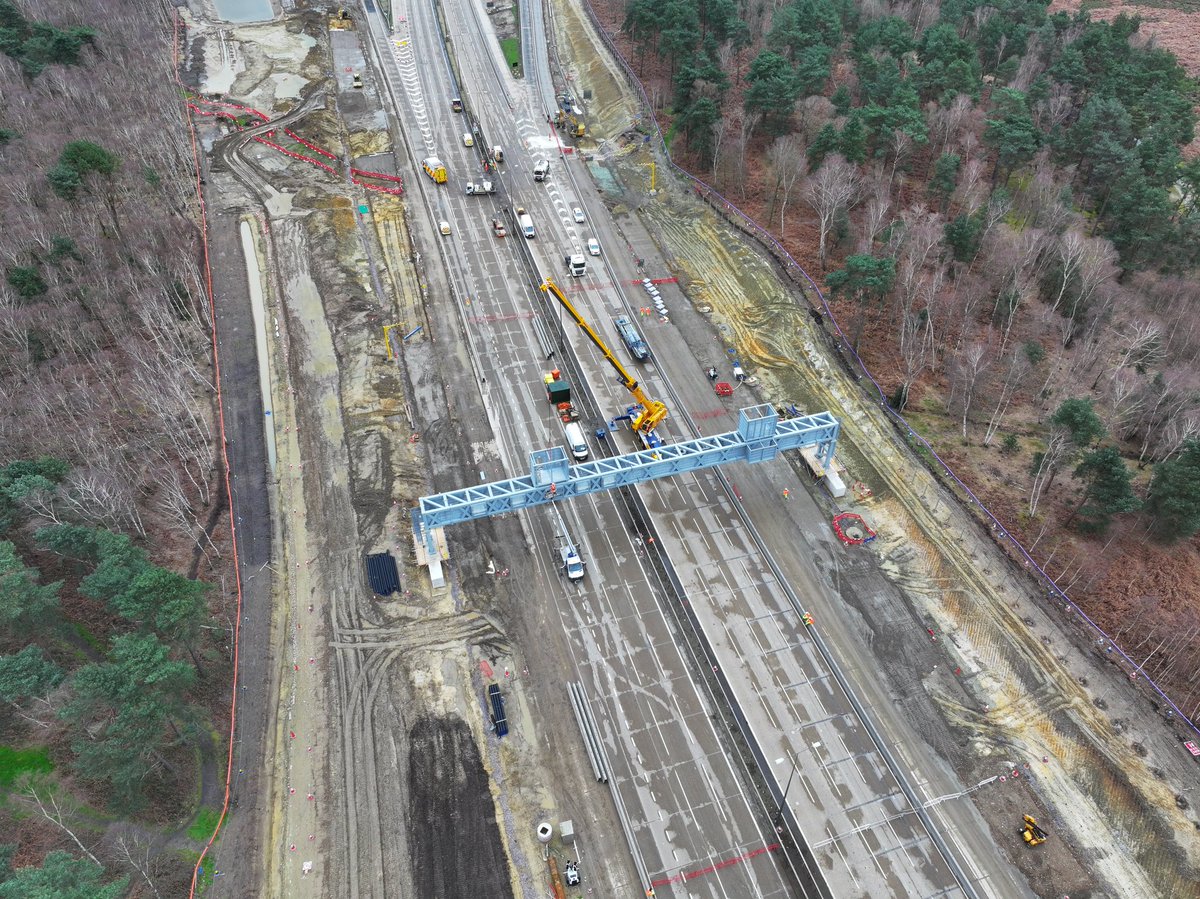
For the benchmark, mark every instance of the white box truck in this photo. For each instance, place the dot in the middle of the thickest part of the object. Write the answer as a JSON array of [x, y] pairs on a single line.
[[576, 264]]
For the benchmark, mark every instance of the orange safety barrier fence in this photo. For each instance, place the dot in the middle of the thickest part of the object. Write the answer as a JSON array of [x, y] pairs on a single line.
[[237, 568]]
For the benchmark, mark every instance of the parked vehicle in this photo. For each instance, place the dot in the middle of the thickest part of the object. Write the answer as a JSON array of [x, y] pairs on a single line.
[[576, 440], [631, 338], [526, 223]]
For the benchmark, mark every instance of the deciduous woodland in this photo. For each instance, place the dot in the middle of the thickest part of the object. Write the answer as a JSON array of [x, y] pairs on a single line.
[[114, 651], [996, 200]]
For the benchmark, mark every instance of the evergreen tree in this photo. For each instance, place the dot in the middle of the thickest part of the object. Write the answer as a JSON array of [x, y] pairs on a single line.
[[61, 876], [26, 607], [122, 710], [945, 177], [1174, 496], [1012, 133], [1107, 489]]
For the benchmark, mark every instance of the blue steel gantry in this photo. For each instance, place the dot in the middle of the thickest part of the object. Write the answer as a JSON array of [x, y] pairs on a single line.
[[759, 437]]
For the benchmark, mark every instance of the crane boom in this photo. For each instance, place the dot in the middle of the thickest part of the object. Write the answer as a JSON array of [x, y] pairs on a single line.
[[653, 412]]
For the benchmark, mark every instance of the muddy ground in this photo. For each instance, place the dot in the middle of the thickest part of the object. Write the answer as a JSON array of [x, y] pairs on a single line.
[[1015, 685], [362, 681]]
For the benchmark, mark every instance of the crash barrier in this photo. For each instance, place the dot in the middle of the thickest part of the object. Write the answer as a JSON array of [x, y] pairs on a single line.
[[795, 272]]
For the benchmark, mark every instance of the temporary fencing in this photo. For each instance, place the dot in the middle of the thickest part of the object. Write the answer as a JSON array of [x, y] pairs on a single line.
[[796, 272], [233, 112], [224, 449]]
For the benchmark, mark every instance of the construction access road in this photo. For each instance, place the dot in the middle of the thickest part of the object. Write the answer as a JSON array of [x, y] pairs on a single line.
[[396, 685], [883, 843]]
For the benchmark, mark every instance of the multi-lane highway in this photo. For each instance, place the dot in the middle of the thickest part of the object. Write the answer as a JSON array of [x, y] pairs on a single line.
[[650, 649]]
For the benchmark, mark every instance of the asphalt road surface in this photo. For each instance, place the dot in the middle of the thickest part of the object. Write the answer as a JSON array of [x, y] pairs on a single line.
[[680, 781]]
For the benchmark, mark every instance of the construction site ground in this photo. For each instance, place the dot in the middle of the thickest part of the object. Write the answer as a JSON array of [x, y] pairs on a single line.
[[365, 764]]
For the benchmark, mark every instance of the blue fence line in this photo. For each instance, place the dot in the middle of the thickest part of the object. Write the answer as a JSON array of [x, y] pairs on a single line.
[[707, 192]]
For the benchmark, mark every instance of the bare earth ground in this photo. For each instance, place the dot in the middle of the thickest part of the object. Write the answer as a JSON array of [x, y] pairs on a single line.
[[362, 681], [383, 778], [1091, 756]]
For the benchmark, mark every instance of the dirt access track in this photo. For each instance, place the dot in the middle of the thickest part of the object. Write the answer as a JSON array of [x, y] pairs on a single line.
[[369, 701], [1012, 681]]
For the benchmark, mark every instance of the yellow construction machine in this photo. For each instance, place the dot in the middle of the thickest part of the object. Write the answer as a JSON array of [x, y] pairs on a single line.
[[648, 413], [1031, 833]]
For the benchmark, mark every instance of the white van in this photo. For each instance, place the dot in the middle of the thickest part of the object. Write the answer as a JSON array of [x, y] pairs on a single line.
[[576, 441], [468, 141]]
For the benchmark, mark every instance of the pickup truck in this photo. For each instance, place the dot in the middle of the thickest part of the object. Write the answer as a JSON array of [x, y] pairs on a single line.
[[480, 187], [498, 228]]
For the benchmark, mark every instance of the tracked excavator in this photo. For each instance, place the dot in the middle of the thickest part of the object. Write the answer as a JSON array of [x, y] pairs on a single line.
[[1031, 833]]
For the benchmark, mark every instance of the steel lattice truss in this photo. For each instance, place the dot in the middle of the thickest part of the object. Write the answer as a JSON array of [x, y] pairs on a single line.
[[760, 436]]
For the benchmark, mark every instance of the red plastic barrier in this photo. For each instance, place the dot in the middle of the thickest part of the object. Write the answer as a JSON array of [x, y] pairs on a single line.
[[364, 174], [302, 158], [296, 137], [394, 191]]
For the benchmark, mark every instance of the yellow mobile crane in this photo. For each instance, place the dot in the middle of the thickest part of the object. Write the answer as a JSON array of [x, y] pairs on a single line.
[[644, 417]]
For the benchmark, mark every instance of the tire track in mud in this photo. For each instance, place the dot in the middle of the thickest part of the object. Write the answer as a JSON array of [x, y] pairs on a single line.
[[1095, 781], [315, 374], [1037, 711]]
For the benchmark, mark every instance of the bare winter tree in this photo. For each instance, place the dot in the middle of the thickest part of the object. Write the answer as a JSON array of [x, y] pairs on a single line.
[[1047, 466], [916, 250], [1014, 376], [972, 190], [137, 853], [1125, 400], [877, 214], [965, 376], [1141, 346], [833, 188], [788, 162], [917, 348], [1178, 431], [813, 114], [54, 808], [947, 121], [1056, 109], [750, 121]]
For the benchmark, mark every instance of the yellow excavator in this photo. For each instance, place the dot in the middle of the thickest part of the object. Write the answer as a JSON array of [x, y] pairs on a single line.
[[648, 414], [1031, 833], [570, 124]]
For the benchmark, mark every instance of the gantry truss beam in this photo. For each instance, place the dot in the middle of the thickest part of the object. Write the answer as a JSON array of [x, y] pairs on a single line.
[[760, 436]]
